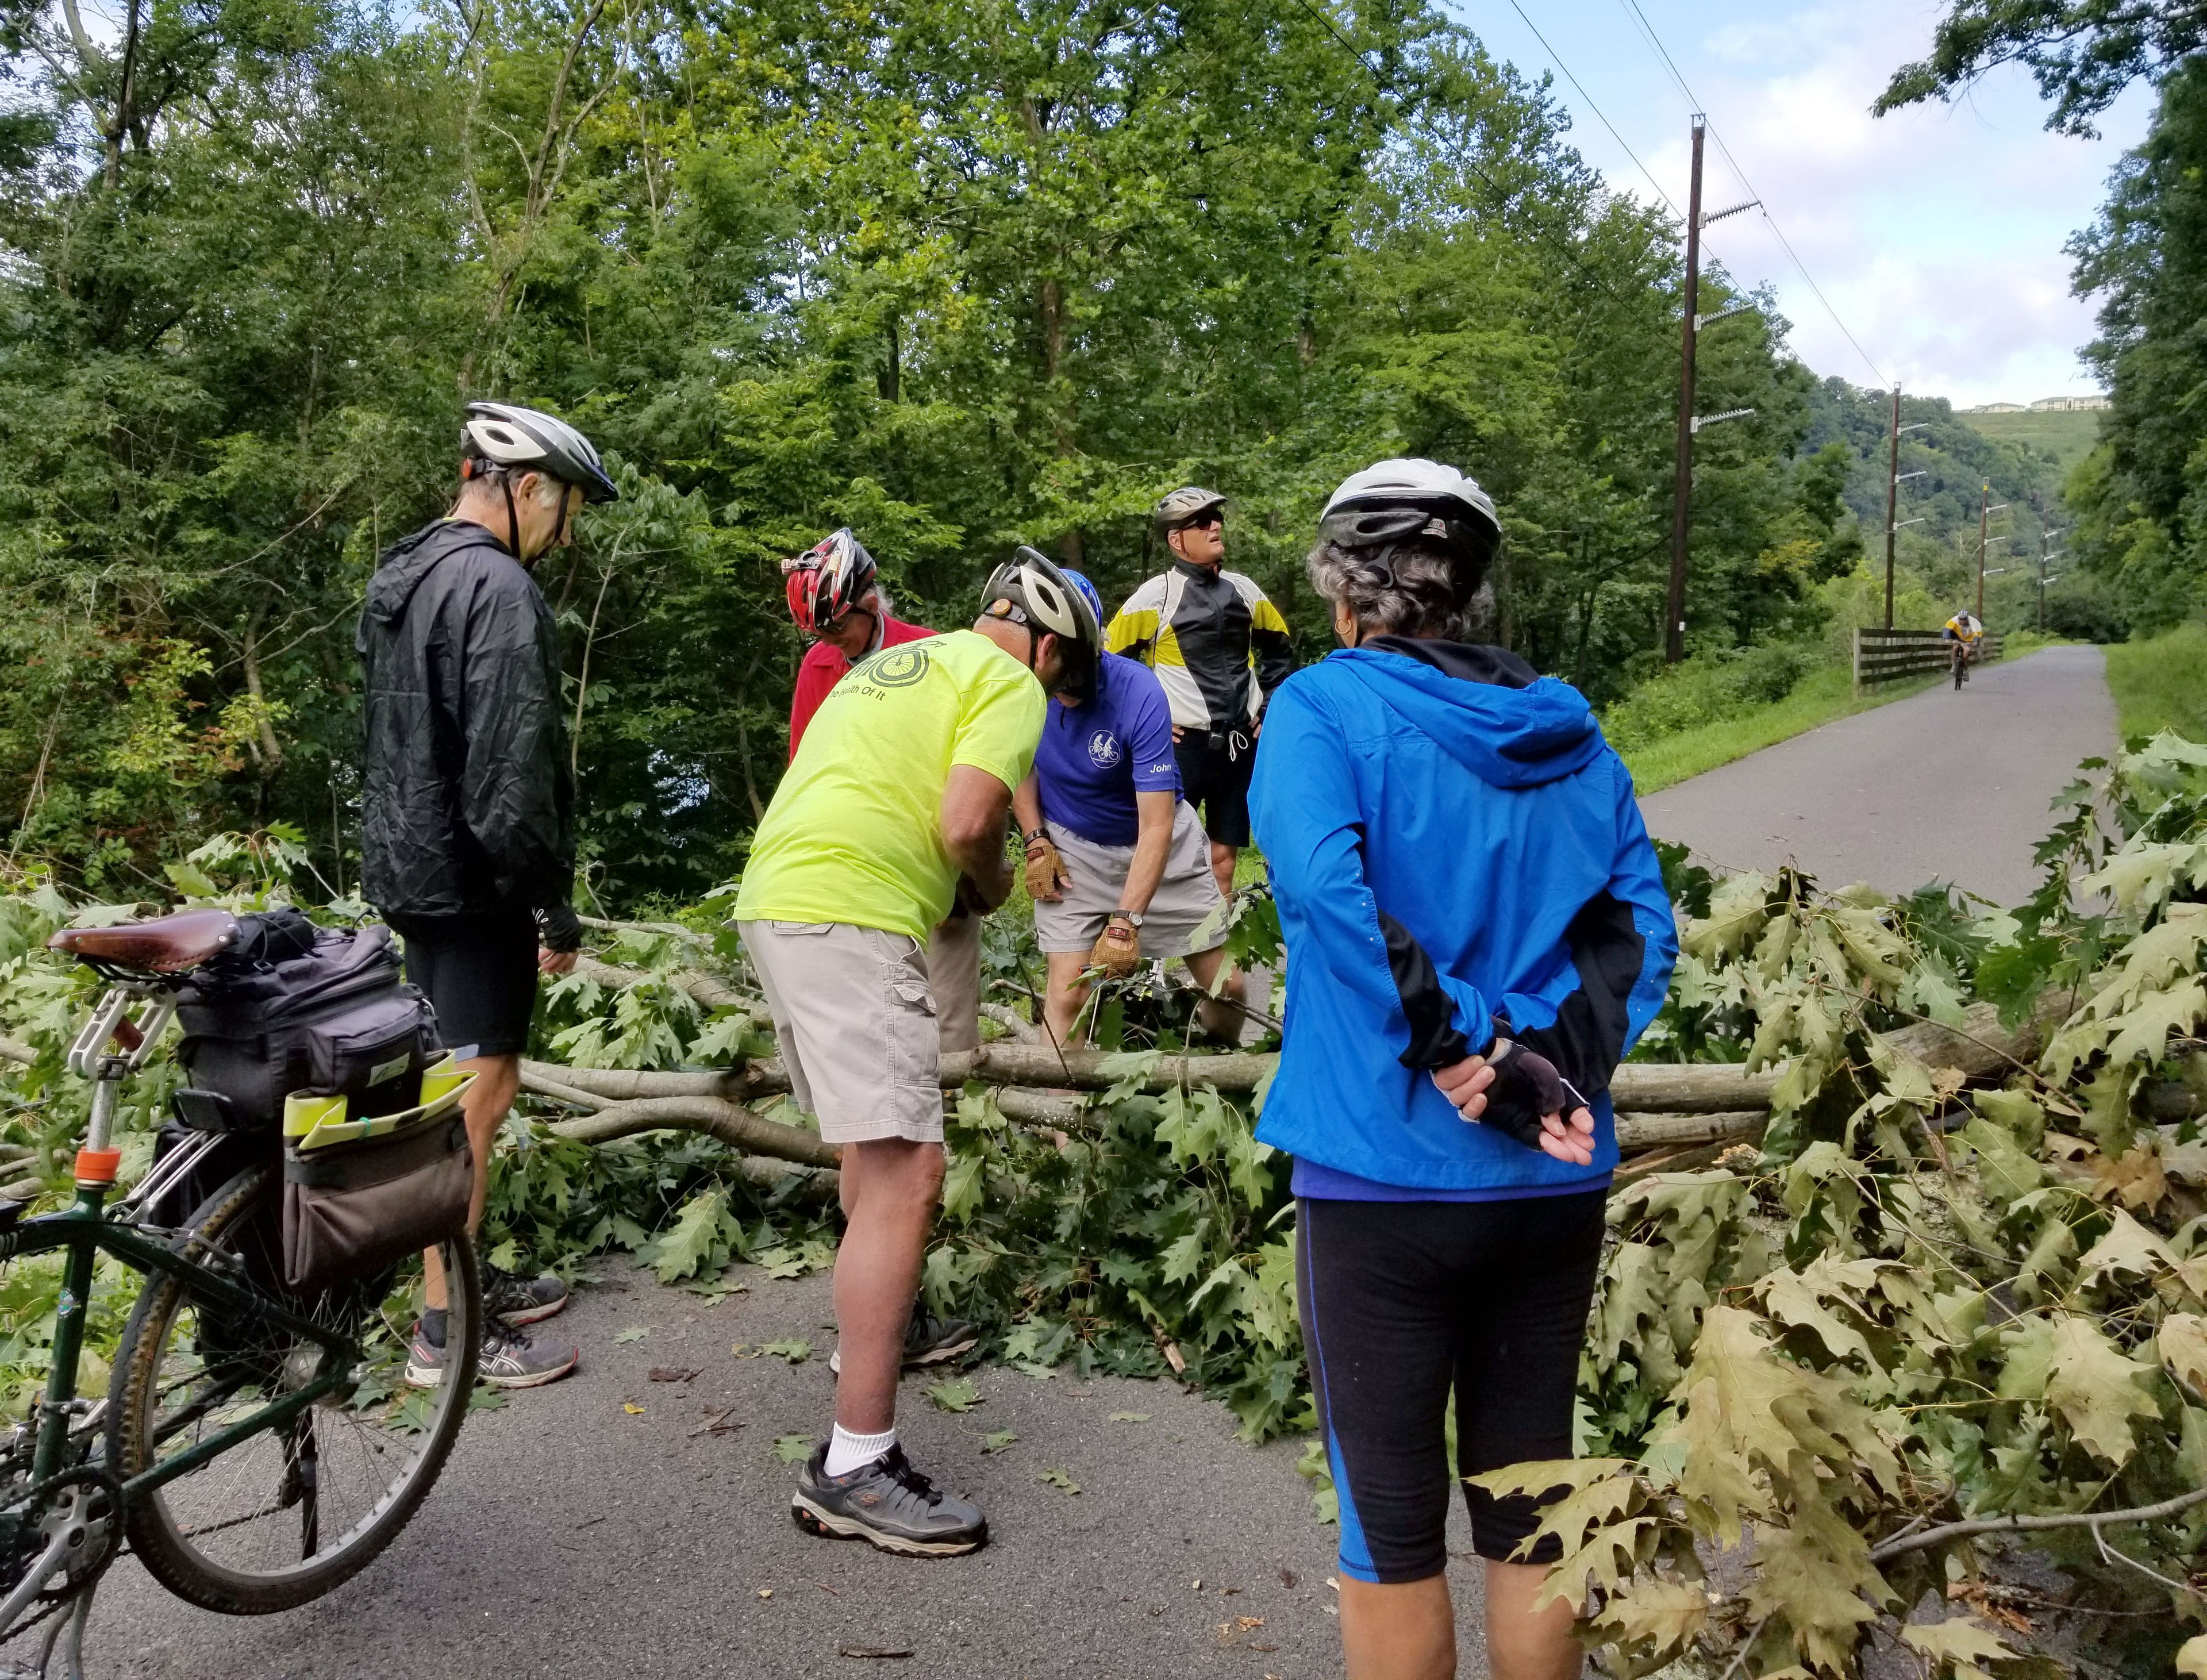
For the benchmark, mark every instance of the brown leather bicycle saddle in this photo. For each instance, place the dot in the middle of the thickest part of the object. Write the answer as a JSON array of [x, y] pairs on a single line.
[[169, 945]]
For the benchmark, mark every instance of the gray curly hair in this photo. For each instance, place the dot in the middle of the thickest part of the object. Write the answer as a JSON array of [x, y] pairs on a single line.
[[1406, 591]]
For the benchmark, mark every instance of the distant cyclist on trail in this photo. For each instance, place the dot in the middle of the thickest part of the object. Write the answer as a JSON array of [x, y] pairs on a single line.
[[1476, 932], [836, 597], [467, 821], [894, 806], [1116, 863], [1965, 633], [1219, 647]]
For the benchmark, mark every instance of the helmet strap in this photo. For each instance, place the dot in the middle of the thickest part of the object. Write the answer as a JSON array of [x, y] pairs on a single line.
[[512, 519]]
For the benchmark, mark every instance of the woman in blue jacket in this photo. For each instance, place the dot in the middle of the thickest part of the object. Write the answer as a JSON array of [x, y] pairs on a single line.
[[1476, 932]]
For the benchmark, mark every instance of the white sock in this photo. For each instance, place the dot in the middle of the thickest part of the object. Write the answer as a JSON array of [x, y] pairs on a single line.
[[848, 1452]]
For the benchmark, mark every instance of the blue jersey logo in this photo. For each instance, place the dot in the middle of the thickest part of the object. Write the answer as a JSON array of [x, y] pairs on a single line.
[[1103, 749]]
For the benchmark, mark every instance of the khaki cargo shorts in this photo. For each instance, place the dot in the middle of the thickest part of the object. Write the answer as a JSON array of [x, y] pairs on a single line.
[[1186, 896], [855, 1018]]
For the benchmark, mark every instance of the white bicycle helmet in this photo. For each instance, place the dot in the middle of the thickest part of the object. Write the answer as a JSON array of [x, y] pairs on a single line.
[[1032, 590], [529, 439], [1398, 501]]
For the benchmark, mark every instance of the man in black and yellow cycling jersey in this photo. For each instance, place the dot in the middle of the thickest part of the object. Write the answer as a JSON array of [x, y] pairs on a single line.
[[1219, 647], [1963, 630]]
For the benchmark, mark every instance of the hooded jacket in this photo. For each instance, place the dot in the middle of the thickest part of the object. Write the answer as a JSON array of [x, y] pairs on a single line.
[[1453, 848], [466, 803]]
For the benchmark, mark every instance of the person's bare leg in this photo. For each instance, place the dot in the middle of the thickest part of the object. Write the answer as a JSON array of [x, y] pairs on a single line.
[[878, 1274], [1064, 993], [1405, 1632], [1222, 865], [1522, 1643], [1217, 1015], [485, 1106]]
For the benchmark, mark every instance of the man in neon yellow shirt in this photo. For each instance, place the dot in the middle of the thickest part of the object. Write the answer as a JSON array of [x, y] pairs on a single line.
[[895, 805]]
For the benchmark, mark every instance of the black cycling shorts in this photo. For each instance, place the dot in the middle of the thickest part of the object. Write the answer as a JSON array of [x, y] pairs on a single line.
[[1214, 777], [1403, 1301], [480, 974]]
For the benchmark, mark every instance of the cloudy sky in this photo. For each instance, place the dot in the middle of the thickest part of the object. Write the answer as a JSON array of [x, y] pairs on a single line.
[[1935, 234]]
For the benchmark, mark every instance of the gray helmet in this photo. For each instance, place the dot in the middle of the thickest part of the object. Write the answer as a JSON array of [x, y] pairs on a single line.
[[1032, 590], [1186, 506], [522, 440], [1407, 499]]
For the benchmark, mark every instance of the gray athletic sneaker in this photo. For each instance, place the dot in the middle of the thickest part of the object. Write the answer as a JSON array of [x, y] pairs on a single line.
[[888, 1503], [509, 1360], [928, 1340], [520, 1301]]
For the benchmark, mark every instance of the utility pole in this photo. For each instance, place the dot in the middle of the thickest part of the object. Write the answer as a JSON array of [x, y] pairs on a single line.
[[1893, 477], [1984, 514], [1892, 504], [1681, 489]]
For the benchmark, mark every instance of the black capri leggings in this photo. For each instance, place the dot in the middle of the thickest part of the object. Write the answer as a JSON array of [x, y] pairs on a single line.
[[1403, 1301]]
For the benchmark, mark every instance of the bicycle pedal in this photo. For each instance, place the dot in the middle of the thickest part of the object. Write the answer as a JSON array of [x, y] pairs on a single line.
[[10, 1213]]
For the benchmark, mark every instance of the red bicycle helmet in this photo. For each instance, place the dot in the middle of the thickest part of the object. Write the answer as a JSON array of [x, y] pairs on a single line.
[[827, 581]]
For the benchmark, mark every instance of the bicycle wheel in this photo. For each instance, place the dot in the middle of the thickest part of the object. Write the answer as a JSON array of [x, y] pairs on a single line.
[[287, 1513]]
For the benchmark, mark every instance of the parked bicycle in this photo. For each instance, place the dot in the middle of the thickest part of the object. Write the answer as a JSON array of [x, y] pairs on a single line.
[[229, 1452]]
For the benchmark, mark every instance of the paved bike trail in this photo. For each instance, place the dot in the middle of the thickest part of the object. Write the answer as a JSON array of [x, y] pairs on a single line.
[[1945, 785], [571, 1538]]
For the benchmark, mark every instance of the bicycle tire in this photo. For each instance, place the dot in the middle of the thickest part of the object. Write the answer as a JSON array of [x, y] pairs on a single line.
[[241, 1219]]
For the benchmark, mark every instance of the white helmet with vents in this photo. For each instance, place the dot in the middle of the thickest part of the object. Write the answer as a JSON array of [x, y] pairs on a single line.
[[1032, 590], [504, 434], [1409, 499]]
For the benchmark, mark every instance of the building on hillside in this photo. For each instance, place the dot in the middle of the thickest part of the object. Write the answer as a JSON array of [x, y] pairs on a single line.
[[1995, 408], [2067, 405]]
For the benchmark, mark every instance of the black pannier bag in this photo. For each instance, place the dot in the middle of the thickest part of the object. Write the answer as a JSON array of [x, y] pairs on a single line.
[[313, 1032], [324, 1009]]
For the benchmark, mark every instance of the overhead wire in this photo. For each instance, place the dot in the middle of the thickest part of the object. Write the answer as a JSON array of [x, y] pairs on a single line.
[[1632, 8], [1557, 59]]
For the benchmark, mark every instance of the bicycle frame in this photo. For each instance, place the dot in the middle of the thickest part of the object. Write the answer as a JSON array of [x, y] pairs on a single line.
[[89, 1227]]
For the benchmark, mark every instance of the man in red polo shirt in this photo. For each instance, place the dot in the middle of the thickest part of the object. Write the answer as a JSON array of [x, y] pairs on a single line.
[[836, 598]]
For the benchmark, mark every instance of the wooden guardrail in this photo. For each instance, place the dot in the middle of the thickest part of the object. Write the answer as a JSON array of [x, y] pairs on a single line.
[[1888, 655]]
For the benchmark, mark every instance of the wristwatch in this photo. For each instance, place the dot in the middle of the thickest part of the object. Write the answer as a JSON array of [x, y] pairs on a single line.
[[1133, 918], [1034, 834]]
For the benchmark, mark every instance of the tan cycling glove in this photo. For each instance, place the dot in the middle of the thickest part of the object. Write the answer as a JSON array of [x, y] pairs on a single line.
[[1046, 875], [1117, 951]]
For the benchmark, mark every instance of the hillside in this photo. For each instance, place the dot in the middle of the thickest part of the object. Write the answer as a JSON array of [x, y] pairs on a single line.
[[2066, 434], [1938, 511]]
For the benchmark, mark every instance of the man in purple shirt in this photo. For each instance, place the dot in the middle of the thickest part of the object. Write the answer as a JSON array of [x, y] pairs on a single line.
[[1117, 863]]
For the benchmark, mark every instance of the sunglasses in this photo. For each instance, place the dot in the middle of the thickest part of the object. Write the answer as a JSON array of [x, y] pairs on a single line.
[[1209, 521]]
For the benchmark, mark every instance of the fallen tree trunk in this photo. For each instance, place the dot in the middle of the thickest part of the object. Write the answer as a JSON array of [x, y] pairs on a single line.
[[713, 994], [716, 1117]]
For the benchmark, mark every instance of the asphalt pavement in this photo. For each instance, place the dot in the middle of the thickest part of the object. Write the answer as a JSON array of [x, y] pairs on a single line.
[[1946, 785], [571, 1537]]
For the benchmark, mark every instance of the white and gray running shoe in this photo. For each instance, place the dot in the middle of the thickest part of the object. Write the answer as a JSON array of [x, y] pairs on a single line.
[[888, 1504]]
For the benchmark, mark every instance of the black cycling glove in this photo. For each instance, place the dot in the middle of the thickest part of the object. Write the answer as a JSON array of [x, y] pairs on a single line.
[[562, 930], [1526, 1086]]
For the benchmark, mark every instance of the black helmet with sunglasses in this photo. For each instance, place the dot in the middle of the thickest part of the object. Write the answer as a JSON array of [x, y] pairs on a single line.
[[1189, 505]]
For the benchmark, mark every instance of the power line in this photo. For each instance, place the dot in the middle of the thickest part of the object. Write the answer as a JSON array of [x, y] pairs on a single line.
[[1559, 60], [1663, 52]]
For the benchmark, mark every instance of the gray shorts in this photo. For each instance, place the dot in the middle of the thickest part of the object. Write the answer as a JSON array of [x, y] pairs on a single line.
[[1189, 892], [855, 1019]]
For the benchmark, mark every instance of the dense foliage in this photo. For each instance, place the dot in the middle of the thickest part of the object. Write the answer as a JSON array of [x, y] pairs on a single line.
[[956, 276]]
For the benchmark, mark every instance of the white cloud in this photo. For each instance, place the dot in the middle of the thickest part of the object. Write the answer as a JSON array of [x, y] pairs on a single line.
[[1936, 233]]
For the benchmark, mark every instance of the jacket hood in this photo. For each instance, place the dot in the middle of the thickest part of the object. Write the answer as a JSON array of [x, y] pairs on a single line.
[[406, 564], [1484, 707]]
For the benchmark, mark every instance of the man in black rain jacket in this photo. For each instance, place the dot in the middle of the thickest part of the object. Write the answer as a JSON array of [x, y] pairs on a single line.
[[467, 805]]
